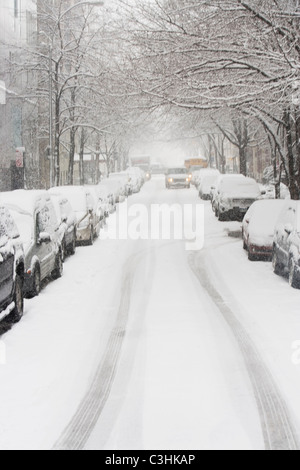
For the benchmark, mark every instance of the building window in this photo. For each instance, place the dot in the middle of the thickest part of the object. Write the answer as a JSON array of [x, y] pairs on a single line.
[[16, 3]]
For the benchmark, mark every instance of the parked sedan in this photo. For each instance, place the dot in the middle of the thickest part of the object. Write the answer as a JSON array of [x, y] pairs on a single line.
[[116, 188], [207, 181], [125, 182], [99, 210], [259, 226], [82, 204], [36, 220], [235, 196], [67, 224], [286, 246], [12, 263]]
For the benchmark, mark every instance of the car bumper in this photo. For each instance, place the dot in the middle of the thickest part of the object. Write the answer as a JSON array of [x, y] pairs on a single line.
[[179, 184], [205, 197], [260, 250], [236, 213]]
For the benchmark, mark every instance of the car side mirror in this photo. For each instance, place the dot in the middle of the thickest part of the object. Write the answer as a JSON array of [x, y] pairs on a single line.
[[263, 192], [44, 237], [288, 228]]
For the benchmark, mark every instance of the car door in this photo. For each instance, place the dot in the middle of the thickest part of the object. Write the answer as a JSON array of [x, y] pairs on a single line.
[[286, 233], [43, 249], [6, 272], [54, 228]]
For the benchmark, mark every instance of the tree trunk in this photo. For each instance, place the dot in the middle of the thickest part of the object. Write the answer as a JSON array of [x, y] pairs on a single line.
[[57, 131], [293, 187], [243, 160], [222, 156], [71, 156], [81, 157]]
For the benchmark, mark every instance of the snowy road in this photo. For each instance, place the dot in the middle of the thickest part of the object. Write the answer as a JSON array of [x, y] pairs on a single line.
[[142, 345]]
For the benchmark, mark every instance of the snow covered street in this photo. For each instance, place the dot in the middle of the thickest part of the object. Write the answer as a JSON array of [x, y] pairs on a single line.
[[143, 345]]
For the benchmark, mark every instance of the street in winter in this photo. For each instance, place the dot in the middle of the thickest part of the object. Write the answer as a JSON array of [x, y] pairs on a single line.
[[149, 227]]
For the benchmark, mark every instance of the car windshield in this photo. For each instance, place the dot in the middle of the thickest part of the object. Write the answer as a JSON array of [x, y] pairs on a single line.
[[240, 188], [177, 171]]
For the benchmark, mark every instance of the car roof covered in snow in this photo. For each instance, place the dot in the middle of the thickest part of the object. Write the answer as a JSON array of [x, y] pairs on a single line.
[[26, 201]]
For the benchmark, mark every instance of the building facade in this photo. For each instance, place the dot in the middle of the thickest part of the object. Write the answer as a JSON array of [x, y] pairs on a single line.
[[18, 110]]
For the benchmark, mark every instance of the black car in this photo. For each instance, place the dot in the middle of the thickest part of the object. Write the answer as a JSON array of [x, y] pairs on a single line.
[[286, 246], [11, 269]]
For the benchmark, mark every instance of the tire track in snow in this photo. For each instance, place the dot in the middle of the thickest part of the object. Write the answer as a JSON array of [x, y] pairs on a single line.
[[82, 424], [278, 429]]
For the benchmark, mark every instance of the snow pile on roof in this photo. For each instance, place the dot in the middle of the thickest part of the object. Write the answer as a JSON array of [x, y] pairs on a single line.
[[22, 200]]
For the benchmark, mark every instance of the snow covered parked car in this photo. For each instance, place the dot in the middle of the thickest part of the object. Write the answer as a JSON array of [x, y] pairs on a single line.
[[207, 181], [235, 196], [177, 178], [259, 226], [106, 194], [286, 246], [67, 224], [100, 209], [124, 181], [137, 178], [82, 204], [116, 187], [12, 263], [216, 189], [35, 217]]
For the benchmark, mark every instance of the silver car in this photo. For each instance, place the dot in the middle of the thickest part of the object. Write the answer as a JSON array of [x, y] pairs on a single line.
[[36, 220], [83, 205]]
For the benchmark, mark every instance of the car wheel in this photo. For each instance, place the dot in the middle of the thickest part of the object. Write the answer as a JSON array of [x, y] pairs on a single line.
[[91, 240], [63, 250], [294, 278], [72, 248], [221, 216], [277, 268], [59, 267], [17, 312], [245, 247]]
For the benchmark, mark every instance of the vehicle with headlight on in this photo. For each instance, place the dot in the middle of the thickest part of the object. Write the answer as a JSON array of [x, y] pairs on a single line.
[[177, 178]]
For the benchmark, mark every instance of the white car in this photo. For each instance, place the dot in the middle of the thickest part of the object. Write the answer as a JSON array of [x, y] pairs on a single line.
[[216, 188], [259, 226], [207, 181], [116, 188], [83, 205], [235, 196]]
